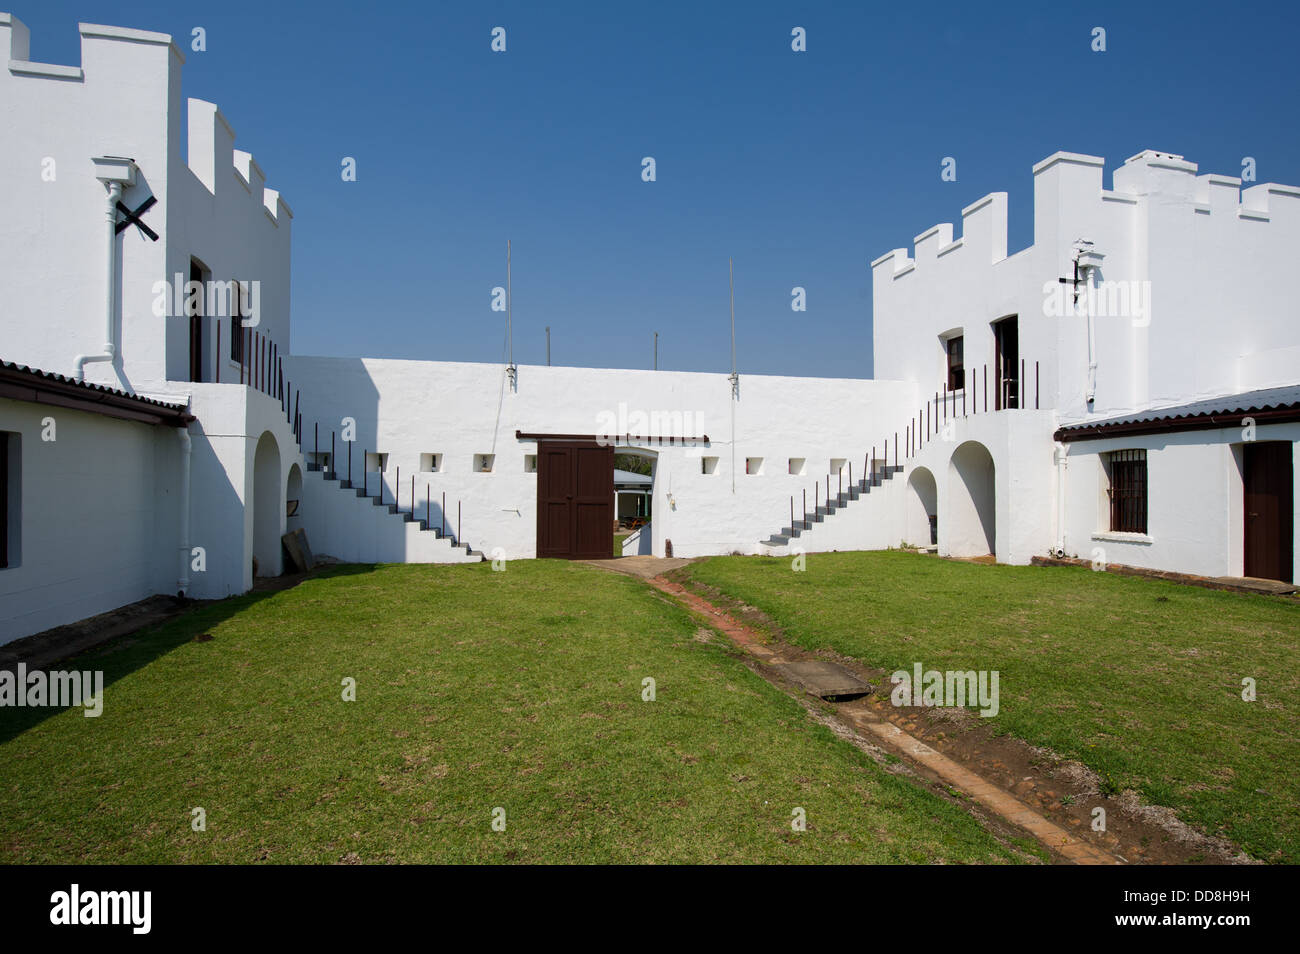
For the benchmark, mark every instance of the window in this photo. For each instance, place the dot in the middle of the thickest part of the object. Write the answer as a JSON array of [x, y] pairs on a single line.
[[376, 463], [1127, 470], [530, 463], [955, 346], [753, 465], [708, 465], [430, 463], [237, 322], [483, 462], [797, 465]]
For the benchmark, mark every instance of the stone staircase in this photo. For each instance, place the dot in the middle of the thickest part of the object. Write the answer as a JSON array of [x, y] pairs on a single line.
[[829, 507], [461, 551]]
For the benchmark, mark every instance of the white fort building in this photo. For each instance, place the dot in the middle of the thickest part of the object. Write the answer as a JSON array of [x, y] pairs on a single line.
[[1126, 389]]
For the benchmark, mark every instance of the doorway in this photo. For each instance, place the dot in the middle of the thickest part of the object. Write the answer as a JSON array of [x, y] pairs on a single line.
[[197, 274], [1006, 337], [1269, 510], [575, 500]]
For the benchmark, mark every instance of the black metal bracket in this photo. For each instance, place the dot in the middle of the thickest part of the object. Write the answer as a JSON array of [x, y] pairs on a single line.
[[133, 218]]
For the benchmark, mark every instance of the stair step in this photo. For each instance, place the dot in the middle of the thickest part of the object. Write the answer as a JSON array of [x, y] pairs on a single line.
[[777, 540]]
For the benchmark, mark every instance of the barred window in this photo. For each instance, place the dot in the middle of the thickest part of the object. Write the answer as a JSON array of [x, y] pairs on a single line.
[[1128, 490]]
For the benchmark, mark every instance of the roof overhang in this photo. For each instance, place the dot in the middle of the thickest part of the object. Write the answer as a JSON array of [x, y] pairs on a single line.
[[20, 383]]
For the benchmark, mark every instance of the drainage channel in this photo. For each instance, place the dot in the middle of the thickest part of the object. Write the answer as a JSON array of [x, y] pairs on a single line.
[[836, 685]]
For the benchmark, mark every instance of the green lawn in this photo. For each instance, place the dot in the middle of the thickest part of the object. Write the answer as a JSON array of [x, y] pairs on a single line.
[[475, 690], [1139, 679]]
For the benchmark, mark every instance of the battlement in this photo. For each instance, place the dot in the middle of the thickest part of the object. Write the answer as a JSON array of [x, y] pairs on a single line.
[[15, 48], [983, 232], [211, 149], [1067, 182], [151, 61]]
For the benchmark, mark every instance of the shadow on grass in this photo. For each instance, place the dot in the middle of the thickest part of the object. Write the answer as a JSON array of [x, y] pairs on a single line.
[[123, 655]]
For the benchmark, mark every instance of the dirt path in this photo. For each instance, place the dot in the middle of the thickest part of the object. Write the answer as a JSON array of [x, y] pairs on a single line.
[[1009, 785]]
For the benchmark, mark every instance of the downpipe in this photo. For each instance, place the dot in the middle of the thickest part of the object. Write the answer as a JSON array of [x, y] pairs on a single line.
[[110, 344], [187, 447], [1062, 451]]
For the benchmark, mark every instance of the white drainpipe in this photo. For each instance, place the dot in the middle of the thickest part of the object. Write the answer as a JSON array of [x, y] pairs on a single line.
[[1088, 259], [115, 173], [1062, 450], [183, 581]]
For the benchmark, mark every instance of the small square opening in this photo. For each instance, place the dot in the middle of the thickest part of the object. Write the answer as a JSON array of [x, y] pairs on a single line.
[[430, 463], [530, 463], [483, 463], [797, 466], [376, 463], [754, 466], [708, 465]]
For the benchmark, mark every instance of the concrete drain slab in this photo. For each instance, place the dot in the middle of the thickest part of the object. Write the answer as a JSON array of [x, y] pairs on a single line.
[[826, 680]]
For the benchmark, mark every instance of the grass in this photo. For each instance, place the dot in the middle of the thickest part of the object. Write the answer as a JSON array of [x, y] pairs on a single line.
[[1139, 679], [475, 690]]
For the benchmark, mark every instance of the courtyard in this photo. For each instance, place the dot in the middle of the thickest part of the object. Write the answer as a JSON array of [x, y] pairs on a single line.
[[556, 712]]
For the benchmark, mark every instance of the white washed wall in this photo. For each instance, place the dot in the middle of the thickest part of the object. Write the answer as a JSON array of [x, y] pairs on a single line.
[[98, 517], [406, 408]]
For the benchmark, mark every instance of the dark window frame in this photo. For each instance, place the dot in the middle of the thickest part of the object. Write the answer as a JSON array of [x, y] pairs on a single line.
[[1127, 473], [237, 323], [956, 363]]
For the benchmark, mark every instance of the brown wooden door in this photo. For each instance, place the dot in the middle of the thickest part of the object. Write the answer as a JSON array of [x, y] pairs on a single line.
[[575, 500], [1269, 510]]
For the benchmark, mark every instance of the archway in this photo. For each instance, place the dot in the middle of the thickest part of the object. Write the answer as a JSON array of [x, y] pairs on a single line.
[[268, 507], [922, 508], [970, 518], [293, 500]]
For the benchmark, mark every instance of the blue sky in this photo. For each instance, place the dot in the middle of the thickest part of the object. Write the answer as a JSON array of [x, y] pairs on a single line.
[[802, 166]]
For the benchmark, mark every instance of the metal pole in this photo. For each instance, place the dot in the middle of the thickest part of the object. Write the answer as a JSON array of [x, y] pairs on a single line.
[[218, 355], [510, 342], [548, 346], [444, 513], [458, 537], [656, 364]]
